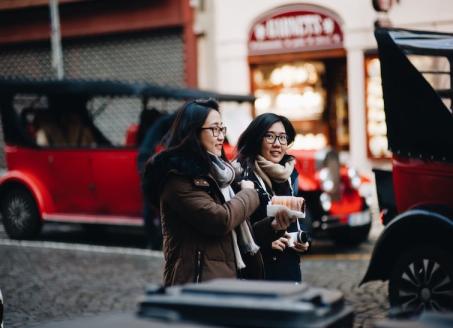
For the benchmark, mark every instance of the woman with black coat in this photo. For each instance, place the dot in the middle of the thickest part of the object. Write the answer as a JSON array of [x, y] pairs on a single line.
[[262, 156]]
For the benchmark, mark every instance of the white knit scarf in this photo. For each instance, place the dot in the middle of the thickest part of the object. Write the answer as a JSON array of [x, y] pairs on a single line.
[[223, 172]]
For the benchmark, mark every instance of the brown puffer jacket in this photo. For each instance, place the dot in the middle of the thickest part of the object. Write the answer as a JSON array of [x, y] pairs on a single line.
[[197, 229]]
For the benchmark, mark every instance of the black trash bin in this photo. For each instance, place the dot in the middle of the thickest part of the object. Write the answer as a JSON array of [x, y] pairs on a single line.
[[241, 303], [228, 303]]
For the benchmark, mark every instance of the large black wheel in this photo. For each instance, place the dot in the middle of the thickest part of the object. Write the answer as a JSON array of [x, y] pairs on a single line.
[[422, 279], [20, 214]]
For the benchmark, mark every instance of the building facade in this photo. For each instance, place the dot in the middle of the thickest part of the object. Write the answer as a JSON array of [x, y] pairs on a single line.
[[123, 40], [314, 62], [136, 40]]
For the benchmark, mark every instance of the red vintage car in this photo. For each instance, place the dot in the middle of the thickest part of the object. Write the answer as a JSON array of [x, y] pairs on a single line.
[[71, 153], [414, 252], [335, 207]]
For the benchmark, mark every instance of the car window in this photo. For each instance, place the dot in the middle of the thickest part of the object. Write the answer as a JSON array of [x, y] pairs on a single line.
[[56, 122], [436, 70], [113, 116]]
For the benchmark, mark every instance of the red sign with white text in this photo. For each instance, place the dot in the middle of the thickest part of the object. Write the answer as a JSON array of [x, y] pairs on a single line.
[[295, 28]]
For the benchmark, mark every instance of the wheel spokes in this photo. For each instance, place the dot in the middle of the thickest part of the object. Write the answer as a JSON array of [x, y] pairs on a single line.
[[425, 285], [18, 211], [438, 307], [411, 278], [444, 283], [411, 303]]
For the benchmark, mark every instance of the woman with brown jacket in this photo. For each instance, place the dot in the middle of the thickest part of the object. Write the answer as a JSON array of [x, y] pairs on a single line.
[[206, 233]]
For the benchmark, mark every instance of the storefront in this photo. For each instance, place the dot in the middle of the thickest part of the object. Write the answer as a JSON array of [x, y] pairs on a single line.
[[315, 63], [298, 69]]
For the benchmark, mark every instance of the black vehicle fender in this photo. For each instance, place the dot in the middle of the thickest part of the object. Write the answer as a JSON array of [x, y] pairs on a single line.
[[413, 227]]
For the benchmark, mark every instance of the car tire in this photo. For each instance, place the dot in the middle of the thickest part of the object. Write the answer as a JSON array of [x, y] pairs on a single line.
[[20, 214], [422, 279]]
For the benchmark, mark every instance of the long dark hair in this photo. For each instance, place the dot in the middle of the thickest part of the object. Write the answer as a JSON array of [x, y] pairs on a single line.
[[249, 143], [184, 152], [183, 138]]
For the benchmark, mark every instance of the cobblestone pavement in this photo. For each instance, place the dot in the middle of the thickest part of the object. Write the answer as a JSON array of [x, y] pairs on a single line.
[[40, 284], [369, 301], [48, 280]]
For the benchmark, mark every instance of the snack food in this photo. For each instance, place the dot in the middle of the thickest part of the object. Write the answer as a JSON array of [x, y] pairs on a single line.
[[291, 202], [294, 205]]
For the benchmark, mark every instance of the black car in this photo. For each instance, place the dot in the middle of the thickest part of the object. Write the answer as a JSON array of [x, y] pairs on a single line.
[[414, 252]]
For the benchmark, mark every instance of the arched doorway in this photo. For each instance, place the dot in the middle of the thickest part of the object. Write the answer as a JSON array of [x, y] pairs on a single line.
[[298, 69]]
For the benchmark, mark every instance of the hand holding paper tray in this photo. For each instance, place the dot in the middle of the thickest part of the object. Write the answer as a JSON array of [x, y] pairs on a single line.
[[293, 205], [273, 209]]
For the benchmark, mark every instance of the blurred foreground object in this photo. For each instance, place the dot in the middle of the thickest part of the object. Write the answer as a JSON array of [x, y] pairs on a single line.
[[243, 303], [231, 303], [426, 320]]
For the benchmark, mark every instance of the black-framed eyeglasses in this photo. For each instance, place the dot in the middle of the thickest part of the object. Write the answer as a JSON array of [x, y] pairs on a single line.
[[216, 130], [271, 137]]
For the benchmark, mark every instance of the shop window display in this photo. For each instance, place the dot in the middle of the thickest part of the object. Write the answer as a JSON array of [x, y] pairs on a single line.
[[310, 95], [436, 73], [375, 126]]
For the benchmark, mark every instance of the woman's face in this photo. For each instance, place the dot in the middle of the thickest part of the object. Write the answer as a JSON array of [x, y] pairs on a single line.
[[212, 134], [274, 151]]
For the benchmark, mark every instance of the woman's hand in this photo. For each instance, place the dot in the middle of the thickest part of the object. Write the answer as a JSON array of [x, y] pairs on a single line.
[[282, 220], [301, 247], [247, 184], [280, 244]]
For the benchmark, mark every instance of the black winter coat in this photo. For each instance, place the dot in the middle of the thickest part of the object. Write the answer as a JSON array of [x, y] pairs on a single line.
[[281, 266]]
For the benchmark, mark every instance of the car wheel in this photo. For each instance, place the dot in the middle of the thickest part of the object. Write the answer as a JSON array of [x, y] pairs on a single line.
[[422, 279], [20, 214]]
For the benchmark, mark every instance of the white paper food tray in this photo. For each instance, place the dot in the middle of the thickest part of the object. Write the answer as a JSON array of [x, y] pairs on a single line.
[[273, 209]]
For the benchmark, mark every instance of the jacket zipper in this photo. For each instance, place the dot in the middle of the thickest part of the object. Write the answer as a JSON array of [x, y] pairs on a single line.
[[198, 268]]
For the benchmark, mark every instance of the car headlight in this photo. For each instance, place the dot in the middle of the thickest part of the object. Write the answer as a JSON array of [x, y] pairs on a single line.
[[327, 183], [354, 178], [324, 174], [326, 201]]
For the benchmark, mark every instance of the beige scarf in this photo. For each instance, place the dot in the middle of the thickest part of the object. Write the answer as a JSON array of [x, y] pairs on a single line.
[[223, 173], [270, 171]]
